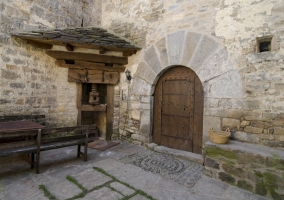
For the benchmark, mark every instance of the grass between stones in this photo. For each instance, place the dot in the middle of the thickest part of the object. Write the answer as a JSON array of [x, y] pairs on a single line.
[[107, 184], [127, 185], [47, 193]]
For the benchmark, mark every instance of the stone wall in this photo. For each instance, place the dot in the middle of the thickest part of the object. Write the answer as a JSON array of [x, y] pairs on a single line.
[[251, 167], [243, 89], [30, 82]]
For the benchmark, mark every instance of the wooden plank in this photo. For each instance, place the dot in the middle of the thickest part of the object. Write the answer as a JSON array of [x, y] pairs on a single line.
[[78, 64], [129, 52], [16, 144], [110, 111], [198, 116], [86, 146], [92, 76], [38, 151], [79, 103], [13, 134], [40, 44], [62, 55], [98, 108], [40, 119], [63, 129]]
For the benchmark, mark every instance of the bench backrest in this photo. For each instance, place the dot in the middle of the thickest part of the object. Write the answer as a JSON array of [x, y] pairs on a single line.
[[40, 119], [43, 134]]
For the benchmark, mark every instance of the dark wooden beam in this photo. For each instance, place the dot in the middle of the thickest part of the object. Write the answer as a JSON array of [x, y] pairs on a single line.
[[102, 50], [69, 47], [79, 103], [78, 64], [40, 44], [129, 52], [62, 55], [92, 76], [110, 111], [97, 108]]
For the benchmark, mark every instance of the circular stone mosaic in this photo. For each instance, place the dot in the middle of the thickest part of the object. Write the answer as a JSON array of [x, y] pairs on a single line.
[[157, 163], [179, 170]]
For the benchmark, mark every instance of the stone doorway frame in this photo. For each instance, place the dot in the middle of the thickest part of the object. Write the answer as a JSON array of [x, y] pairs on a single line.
[[206, 56]]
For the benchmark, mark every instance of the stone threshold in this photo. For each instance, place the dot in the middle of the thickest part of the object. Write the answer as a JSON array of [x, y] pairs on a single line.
[[196, 158]]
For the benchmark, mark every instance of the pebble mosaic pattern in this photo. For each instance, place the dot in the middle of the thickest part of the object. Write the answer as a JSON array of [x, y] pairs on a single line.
[[179, 170]]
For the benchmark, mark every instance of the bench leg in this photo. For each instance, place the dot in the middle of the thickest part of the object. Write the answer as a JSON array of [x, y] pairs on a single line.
[[85, 152], [79, 151], [32, 160], [37, 162]]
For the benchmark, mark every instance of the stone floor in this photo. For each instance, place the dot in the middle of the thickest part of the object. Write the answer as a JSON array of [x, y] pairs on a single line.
[[125, 171]]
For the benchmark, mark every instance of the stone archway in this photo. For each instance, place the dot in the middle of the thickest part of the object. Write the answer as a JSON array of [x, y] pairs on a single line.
[[204, 55]]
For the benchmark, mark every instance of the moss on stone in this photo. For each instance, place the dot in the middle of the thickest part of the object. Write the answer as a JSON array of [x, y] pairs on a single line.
[[278, 163], [283, 175], [245, 185], [275, 195], [226, 178], [260, 189], [270, 179], [233, 170], [258, 173], [215, 152]]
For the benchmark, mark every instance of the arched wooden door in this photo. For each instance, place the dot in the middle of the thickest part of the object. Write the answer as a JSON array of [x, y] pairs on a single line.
[[178, 110]]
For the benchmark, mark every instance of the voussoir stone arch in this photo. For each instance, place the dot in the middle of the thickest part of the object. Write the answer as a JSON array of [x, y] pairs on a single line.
[[201, 53], [204, 55]]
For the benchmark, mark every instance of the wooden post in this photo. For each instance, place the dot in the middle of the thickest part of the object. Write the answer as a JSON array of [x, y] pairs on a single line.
[[32, 160], [110, 111], [38, 150], [86, 145], [79, 145], [79, 103]]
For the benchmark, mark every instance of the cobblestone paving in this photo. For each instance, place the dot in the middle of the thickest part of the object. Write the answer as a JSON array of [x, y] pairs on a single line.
[[123, 172], [84, 186], [179, 170]]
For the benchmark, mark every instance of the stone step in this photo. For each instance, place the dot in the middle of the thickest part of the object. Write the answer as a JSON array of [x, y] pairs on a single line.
[[197, 158], [251, 167]]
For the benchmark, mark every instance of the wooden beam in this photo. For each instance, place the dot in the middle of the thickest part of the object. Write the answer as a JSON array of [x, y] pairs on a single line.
[[129, 53], [40, 44], [97, 108], [102, 50], [69, 47], [62, 55], [79, 103], [78, 64], [92, 76], [110, 111]]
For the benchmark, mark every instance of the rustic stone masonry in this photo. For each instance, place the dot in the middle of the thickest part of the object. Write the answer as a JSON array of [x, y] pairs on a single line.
[[30, 82], [218, 40], [251, 167]]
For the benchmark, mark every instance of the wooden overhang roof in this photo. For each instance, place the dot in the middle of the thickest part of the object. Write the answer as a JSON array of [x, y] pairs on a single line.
[[99, 40], [91, 38]]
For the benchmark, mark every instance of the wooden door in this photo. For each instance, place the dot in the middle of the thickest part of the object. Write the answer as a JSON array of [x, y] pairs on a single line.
[[178, 110]]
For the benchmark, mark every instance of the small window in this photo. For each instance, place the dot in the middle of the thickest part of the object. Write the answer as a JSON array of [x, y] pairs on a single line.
[[266, 43], [265, 46]]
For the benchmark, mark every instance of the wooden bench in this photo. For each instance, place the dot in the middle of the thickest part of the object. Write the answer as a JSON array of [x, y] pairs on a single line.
[[40, 119], [40, 140]]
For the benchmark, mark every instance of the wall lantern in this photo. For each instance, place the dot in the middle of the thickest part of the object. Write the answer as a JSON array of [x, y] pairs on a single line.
[[128, 76]]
